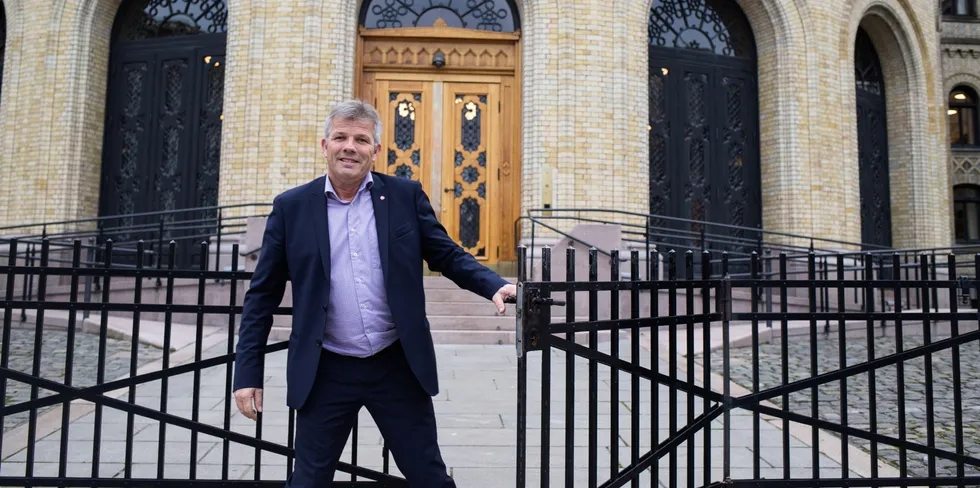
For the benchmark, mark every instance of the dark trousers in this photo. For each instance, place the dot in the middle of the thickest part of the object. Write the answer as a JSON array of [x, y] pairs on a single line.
[[384, 384]]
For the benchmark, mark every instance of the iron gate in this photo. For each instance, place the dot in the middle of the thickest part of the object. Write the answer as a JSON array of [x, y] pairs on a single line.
[[640, 410], [90, 418]]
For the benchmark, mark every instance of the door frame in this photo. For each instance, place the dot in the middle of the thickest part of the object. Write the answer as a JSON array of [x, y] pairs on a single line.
[[470, 56]]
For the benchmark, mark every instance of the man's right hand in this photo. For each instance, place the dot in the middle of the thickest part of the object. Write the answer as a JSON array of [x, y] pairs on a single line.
[[245, 397]]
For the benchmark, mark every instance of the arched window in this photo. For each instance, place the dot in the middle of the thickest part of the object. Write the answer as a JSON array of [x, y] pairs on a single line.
[[962, 117], [151, 19], [958, 8], [715, 26], [966, 212], [489, 15]]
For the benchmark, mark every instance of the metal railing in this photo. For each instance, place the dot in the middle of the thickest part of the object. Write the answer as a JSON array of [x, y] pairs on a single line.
[[673, 406], [154, 391]]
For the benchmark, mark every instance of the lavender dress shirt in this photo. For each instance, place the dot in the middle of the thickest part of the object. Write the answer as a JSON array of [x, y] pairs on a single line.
[[358, 320]]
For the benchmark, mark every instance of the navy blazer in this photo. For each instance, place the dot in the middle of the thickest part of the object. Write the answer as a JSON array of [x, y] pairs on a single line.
[[296, 248]]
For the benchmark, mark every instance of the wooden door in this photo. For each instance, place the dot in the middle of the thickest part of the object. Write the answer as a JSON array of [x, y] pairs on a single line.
[[445, 133]]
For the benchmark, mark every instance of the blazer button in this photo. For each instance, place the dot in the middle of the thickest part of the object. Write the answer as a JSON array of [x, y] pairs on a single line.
[[319, 343], [324, 308]]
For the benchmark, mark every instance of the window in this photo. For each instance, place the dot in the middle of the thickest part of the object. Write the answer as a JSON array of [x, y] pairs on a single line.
[[962, 117], [3, 40], [958, 8], [966, 212]]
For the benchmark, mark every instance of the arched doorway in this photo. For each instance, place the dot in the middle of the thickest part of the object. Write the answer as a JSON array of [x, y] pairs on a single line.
[[872, 135], [703, 121], [443, 74], [164, 113]]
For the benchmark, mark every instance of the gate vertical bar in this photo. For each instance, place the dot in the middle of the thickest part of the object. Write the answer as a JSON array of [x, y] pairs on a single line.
[[726, 318], [842, 362], [672, 359], [76, 258], [100, 373], [42, 287], [521, 378], [198, 339], [635, 359], [137, 301], [784, 357], [689, 323], [869, 306], [167, 330], [814, 368], [929, 296], [569, 373], [706, 359], [654, 258], [957, 386], [900, 366], [613, 370], [545, 384], [593, 370], [7, 324], [232, 301], [756, 420]]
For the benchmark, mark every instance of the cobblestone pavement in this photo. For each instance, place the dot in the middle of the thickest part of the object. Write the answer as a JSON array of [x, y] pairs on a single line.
[[887, 388], [54, 347]]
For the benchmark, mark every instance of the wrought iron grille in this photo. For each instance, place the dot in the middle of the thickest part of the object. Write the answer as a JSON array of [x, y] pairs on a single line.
[[150, 19], [700, 381], [715, 26], [867, 66], [489, 15]]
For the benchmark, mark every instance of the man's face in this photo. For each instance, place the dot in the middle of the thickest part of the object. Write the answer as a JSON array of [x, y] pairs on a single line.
[[350, 151]]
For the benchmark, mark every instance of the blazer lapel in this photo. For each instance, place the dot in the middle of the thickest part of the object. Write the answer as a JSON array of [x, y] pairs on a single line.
[[381, 220], [318, 206]]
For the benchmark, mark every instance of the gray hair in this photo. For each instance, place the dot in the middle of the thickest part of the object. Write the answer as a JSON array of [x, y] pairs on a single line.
[[358, 110]]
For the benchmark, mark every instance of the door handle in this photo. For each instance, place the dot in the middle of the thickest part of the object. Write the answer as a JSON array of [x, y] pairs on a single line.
[[448, 190]]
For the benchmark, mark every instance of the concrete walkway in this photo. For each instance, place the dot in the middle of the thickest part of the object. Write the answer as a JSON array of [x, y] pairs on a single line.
[[477, 417]]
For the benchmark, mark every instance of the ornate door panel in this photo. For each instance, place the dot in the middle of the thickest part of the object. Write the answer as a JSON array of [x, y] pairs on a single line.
[[704, 162], [163, 131], [872, 133], [445, 133], [470, 152], [406, 111]]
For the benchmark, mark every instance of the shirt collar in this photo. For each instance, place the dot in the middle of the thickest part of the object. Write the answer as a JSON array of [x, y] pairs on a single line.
[[365, 185]]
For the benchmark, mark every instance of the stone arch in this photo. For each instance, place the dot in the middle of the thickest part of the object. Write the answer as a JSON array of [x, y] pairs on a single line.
[[899, 44], [781, 59], [74, 40]]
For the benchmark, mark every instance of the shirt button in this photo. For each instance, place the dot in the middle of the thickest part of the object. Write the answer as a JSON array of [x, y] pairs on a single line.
[[363, 306], [355, 254]]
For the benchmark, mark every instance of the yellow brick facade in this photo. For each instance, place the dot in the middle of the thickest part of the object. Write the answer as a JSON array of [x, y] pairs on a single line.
[[584, 95]]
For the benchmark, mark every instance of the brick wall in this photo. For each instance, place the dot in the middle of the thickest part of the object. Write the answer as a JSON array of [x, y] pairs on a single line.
[[584, 92]]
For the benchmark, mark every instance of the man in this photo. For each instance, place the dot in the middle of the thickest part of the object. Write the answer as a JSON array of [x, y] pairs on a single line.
[[352, 244]]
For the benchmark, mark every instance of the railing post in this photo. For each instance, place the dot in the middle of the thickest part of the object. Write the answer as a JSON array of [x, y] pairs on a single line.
[[217, 250]]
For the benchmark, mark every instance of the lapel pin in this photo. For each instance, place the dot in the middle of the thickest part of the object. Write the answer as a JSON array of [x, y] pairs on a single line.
[[382, 197]]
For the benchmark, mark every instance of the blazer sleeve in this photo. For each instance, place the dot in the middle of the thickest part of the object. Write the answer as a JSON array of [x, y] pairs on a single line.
[[445, 256], [264, 295]]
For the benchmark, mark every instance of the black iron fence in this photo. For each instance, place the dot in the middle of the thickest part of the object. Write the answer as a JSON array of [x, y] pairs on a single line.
[[661, 381], [88, 403]]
